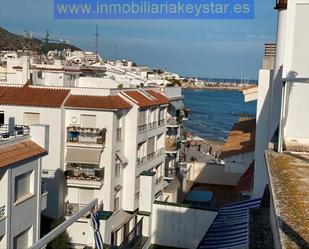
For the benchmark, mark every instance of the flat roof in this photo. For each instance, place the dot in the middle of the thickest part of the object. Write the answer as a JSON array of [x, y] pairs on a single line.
[[289, 183]]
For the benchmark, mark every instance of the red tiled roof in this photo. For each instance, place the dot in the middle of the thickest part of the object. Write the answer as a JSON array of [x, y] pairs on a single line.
[[19, 152], [31, 96], [97, 102], [241, 139], [244, 184], [143, 101], [159, 96]]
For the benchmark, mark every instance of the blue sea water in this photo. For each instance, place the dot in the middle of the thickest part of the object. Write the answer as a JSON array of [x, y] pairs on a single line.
[[214, 112]]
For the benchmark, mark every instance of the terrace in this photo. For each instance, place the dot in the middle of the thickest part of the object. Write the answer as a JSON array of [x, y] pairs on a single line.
[[82, 135], [150, 157], [8, 132], [82, 175]]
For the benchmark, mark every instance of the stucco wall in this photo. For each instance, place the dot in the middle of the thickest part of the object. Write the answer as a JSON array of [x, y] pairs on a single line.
[[181, 227]]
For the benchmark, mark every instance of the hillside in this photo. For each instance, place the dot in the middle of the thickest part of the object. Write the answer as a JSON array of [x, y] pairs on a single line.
[[10, 41]]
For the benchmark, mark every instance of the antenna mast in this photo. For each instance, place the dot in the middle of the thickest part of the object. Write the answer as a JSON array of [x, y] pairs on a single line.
[[96, 41]]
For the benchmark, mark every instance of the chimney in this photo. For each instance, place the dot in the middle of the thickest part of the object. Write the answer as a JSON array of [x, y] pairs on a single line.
[[11, 125]]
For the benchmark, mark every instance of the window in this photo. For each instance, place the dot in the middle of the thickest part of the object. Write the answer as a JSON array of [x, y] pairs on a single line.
[[118, 135], [117, 168], [142, 117], [40, 75], [31, 118], [88, 121], [1, 118], [23, 185], [21, 241], [151, 146]]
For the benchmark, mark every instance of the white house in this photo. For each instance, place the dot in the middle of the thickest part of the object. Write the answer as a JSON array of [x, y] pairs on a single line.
[[22, 196]]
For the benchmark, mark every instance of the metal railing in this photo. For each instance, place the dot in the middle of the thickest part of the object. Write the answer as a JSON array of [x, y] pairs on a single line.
[[15, 131], [150, 156], [86, 135], [134, 236], [2, 211], [142, 128], [84, 174], [173, 121]]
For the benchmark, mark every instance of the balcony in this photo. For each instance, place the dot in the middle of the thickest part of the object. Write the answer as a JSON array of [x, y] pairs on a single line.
[[44, 195], [71, 208], [150, 126], [14, 132], [2, 221], [173, 122], [81, 136], [81, 175], [150, 157]]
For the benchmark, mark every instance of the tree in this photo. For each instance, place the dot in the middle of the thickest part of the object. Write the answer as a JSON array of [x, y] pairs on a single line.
[[62, 241]]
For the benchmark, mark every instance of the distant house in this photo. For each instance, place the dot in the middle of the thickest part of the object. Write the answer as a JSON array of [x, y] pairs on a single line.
[[238, 150]]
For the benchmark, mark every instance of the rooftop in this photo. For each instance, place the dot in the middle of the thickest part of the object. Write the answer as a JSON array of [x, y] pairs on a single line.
[[289, 182], [17, 152], [241, 139], [32, 96], [148, 98], [97, 102]]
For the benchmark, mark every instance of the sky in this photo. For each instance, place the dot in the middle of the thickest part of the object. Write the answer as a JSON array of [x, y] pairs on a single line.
[[195, 48]]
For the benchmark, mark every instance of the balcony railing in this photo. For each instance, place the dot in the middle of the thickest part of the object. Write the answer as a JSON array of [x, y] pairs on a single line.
[[142, 128], [85, 135], [2, 211], [159, 180], [134, 237], [151, 125], [71, 208], [16, 131], [161, 122], [173, 121], [150, 156], [84, 173]]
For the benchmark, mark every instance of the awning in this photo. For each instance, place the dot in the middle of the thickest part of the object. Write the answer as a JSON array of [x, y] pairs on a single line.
[[177, 104], [230, 227], [83, 155], [119, 219], [122, 157]]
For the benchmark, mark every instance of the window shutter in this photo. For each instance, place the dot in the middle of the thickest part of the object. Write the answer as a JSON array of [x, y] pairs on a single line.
[[151, 145], [88, 121], [142, 117]]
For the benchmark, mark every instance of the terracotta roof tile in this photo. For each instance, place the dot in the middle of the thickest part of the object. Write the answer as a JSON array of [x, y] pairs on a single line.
[[241, 139], [143, 101], [244, 184], [97, 102], [162, 99], [18, 152], [32, 96]]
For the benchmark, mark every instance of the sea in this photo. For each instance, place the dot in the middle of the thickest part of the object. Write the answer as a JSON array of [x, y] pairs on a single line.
[[215, 111]]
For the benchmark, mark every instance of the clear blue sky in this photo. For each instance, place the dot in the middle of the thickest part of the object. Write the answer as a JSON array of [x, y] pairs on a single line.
[[202, 48]]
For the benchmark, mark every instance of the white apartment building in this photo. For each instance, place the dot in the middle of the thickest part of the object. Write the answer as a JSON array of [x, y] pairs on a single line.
[[98, 148], [22, 196]]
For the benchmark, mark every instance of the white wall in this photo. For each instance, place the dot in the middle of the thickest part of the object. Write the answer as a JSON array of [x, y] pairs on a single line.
[[52, 171], [262, 136], [179, 226], [211, 174], [238, 163]]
